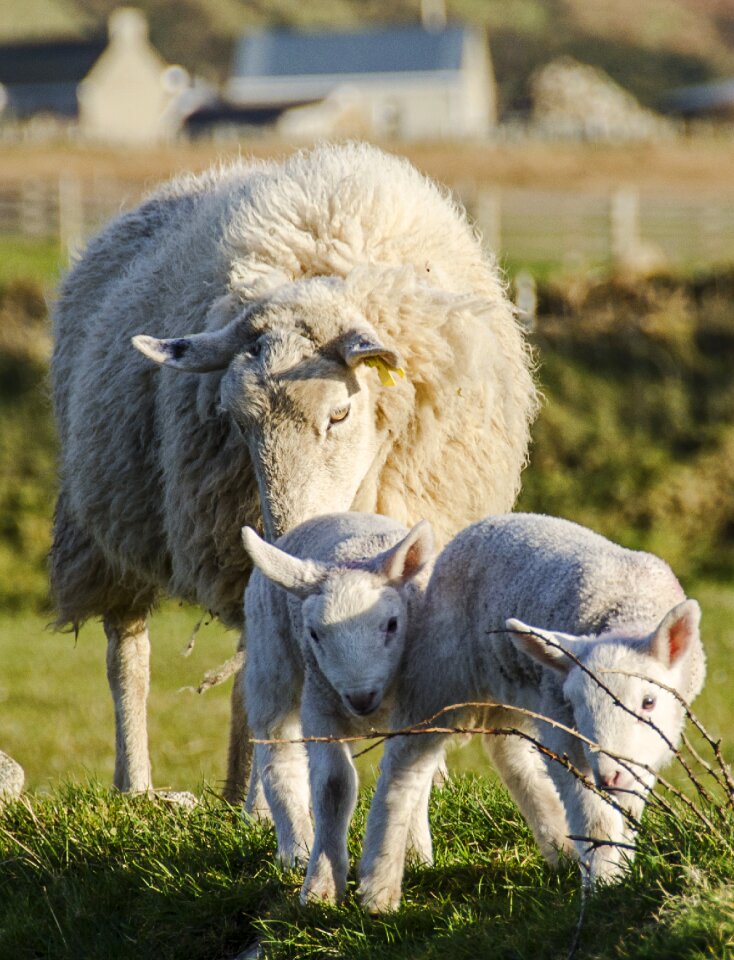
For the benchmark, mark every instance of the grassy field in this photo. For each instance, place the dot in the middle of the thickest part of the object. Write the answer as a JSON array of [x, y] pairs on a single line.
[[86, 873], [635, 439]]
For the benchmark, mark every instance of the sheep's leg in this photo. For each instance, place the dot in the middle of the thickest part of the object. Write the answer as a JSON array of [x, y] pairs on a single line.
[[525, 775], [128, 673], [408, 766], [284, 771], [334, 796], [256, 804], [239, 756]]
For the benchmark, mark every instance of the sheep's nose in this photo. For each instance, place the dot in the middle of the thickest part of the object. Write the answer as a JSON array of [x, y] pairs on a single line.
[[363, 703]]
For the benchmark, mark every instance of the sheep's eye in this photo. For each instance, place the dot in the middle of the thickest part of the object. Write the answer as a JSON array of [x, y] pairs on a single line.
[[648, 703], [314, 636], [256, 349], [339, 415], [392, 624]]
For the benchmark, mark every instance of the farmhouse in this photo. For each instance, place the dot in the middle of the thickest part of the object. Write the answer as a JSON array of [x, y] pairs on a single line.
[[121, 91], [410, 82]]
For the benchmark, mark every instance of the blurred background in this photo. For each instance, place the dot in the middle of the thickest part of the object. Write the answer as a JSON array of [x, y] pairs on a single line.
[[593, 146]]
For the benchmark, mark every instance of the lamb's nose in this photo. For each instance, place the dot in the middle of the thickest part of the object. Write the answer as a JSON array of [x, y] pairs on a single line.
[[611, 779], [363, 703]]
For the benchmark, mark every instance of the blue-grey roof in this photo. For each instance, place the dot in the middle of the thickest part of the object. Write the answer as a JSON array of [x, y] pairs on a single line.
[[704, 97], [398, 49]]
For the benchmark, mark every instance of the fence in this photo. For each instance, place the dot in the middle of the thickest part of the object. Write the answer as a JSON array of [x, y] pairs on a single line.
[[524, 225]]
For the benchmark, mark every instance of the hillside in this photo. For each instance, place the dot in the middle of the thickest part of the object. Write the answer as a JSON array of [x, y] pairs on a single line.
[[648, 47]]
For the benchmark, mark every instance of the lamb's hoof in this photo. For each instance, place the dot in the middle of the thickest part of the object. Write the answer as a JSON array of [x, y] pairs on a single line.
[[12, 779], [383, 900], [320, 890], [177, 798]]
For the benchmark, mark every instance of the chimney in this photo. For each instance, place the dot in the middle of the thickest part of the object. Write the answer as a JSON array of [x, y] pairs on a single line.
[[433, 15]]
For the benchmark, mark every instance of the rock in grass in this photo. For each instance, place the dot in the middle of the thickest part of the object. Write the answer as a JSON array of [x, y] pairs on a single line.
[[12, 778]]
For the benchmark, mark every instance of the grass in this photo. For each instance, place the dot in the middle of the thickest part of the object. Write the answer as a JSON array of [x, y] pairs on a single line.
[[88, 873], [57, 711], [30, 259]]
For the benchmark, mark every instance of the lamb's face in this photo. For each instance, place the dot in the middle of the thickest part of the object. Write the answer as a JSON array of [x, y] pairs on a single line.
[[634, 667], [355, 627], [652, 720]]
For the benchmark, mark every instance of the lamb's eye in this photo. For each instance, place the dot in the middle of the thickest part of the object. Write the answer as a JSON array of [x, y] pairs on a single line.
[[648, 703], [392, 624], [339, 415], [256, 349], [314, 636]]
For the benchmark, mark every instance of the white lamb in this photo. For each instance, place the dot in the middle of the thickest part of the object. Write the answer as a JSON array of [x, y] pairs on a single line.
[[322, 657], [624, 617]]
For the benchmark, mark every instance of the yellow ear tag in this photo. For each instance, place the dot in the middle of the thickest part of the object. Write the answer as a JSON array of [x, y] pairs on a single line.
[[385, 371]]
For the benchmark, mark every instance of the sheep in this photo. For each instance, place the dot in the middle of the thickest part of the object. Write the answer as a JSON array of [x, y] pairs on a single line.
[[266, 293], [326, 608], [605, 610]]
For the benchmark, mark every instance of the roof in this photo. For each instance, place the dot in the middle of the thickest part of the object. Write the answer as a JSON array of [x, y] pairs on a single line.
[[43, 77], [395, 49], [703, 98], [62, 61]]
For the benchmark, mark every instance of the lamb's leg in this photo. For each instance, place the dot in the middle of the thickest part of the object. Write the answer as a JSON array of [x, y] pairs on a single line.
[[128, 673], [239, 756], [408, 766], [284, 771], [525, 775], [419, 849], [608, 849], [334, 795]]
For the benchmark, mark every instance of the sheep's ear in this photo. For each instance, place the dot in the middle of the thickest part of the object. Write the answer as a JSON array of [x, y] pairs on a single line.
[[678, 631], [548, 647], [199, 353], [227, 330], [359, 345], [409, 556], [300, 577]]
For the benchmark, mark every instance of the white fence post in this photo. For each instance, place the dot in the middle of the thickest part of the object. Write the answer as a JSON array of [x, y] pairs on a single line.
[[71, 215], [624, 224]]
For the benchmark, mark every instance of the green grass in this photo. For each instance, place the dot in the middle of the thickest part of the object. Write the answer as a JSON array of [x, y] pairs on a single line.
[[27, 258], [57, 718], [88, 873]]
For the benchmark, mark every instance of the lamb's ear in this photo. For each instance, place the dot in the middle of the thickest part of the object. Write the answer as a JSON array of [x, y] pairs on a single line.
[[409, 556], [356, 346], [678, 631], [300, 577], [545, 646]]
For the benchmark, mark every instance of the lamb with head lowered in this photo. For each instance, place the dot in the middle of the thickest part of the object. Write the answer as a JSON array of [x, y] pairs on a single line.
[[538, 613], [327, 611]]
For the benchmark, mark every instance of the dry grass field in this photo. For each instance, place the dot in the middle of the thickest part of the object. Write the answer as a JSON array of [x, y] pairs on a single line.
[[684, 164]]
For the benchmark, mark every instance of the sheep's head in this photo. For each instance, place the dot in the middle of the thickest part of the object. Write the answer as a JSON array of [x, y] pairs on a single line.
[[353, 617], [294, 380], [635, 667]]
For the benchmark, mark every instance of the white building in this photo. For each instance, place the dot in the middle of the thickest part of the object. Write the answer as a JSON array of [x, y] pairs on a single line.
[[406, 82]]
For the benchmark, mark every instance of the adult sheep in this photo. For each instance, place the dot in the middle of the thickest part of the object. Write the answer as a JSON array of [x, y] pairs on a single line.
[[266, 289]]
